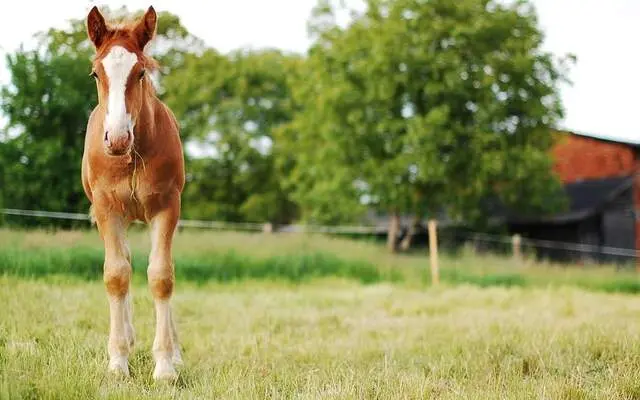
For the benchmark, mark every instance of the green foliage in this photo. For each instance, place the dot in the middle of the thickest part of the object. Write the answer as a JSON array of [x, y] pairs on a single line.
[[419, 106], [232, 104], [47, 105]]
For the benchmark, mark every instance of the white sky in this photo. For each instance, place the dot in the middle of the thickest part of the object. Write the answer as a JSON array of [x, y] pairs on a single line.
[[601, 33]]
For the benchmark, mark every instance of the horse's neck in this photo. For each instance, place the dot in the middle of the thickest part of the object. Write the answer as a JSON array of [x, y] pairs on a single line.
[[145, 129]]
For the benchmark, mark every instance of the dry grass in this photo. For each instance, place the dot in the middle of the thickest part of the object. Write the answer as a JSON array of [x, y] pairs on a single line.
[[330, 340]]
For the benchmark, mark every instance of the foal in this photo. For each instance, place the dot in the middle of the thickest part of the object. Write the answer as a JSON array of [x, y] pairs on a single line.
[[133, 169]]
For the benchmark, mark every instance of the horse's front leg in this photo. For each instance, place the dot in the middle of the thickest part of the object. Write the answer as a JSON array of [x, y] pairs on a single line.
[[117, 278], [128, 310], [160, 274]]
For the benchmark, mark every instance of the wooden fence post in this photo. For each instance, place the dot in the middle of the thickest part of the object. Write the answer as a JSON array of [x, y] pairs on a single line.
[[516, 242], [267, 228], [433, 251]]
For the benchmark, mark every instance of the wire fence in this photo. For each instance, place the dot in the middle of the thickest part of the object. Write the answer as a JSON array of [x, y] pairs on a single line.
[[449, 237], [218, 225], [554, 245]]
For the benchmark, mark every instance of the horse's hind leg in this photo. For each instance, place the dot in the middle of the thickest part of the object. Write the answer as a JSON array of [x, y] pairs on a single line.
[[161, 281]]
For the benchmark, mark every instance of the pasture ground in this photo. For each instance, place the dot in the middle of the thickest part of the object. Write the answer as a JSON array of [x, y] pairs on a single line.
[[309, 317], [329, 339]]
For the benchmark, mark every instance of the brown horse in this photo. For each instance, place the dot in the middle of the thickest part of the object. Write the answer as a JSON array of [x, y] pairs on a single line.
[[133, 169]]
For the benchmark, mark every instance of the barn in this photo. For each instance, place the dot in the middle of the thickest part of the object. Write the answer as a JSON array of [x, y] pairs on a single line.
[[602, 224], [600, 178]]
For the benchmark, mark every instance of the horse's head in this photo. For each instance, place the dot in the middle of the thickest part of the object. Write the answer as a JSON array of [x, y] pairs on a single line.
[[120, 67]]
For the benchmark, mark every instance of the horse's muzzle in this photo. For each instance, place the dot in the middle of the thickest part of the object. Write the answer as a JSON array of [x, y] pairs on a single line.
[[117, 144]]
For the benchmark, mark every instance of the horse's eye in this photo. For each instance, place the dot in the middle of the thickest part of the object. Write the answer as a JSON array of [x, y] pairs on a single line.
[[141, 74], [93, 73]]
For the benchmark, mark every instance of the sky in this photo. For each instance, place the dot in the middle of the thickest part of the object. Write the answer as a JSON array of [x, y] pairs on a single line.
[[600, 102]]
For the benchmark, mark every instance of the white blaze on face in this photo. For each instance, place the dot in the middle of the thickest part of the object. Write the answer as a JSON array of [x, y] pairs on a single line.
[[117, 65]]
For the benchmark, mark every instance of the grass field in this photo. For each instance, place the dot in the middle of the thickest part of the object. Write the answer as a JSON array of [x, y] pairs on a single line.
[[329, 340], [318, 318]]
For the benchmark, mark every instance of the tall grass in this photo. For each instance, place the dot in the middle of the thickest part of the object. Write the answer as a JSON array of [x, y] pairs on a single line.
[[203, 256], [86, 263]]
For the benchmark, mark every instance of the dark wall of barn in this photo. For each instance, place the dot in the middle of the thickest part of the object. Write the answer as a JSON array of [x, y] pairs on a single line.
[[609, 230], [559, 234], [618, 225]]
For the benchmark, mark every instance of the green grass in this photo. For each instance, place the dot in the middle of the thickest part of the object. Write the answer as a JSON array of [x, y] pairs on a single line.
[[86, 262], [205, 256], [329, 339]]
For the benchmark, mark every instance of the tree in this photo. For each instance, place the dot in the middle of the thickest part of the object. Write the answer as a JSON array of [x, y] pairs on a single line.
[[417, 107], [47, 104], [231, 104]]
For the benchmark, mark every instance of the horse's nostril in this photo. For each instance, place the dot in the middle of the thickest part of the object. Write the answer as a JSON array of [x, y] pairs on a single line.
[[106, 136], [128, 135]]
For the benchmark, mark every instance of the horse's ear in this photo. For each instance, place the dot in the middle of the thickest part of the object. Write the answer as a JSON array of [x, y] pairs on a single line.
[[146, 28], [96, 27]]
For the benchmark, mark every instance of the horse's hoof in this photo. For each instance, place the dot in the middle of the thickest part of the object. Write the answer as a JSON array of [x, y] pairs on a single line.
[[164, 371], [119, 366]]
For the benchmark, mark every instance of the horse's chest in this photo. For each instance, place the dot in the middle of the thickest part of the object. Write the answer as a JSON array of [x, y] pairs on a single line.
[[131, 192]]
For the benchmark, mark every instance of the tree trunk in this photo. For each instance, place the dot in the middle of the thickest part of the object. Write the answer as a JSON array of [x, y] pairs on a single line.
[[392, 233], [408, 238]]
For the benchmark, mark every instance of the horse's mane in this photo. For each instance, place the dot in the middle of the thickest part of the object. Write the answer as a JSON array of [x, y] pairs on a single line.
[[122, 32]]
